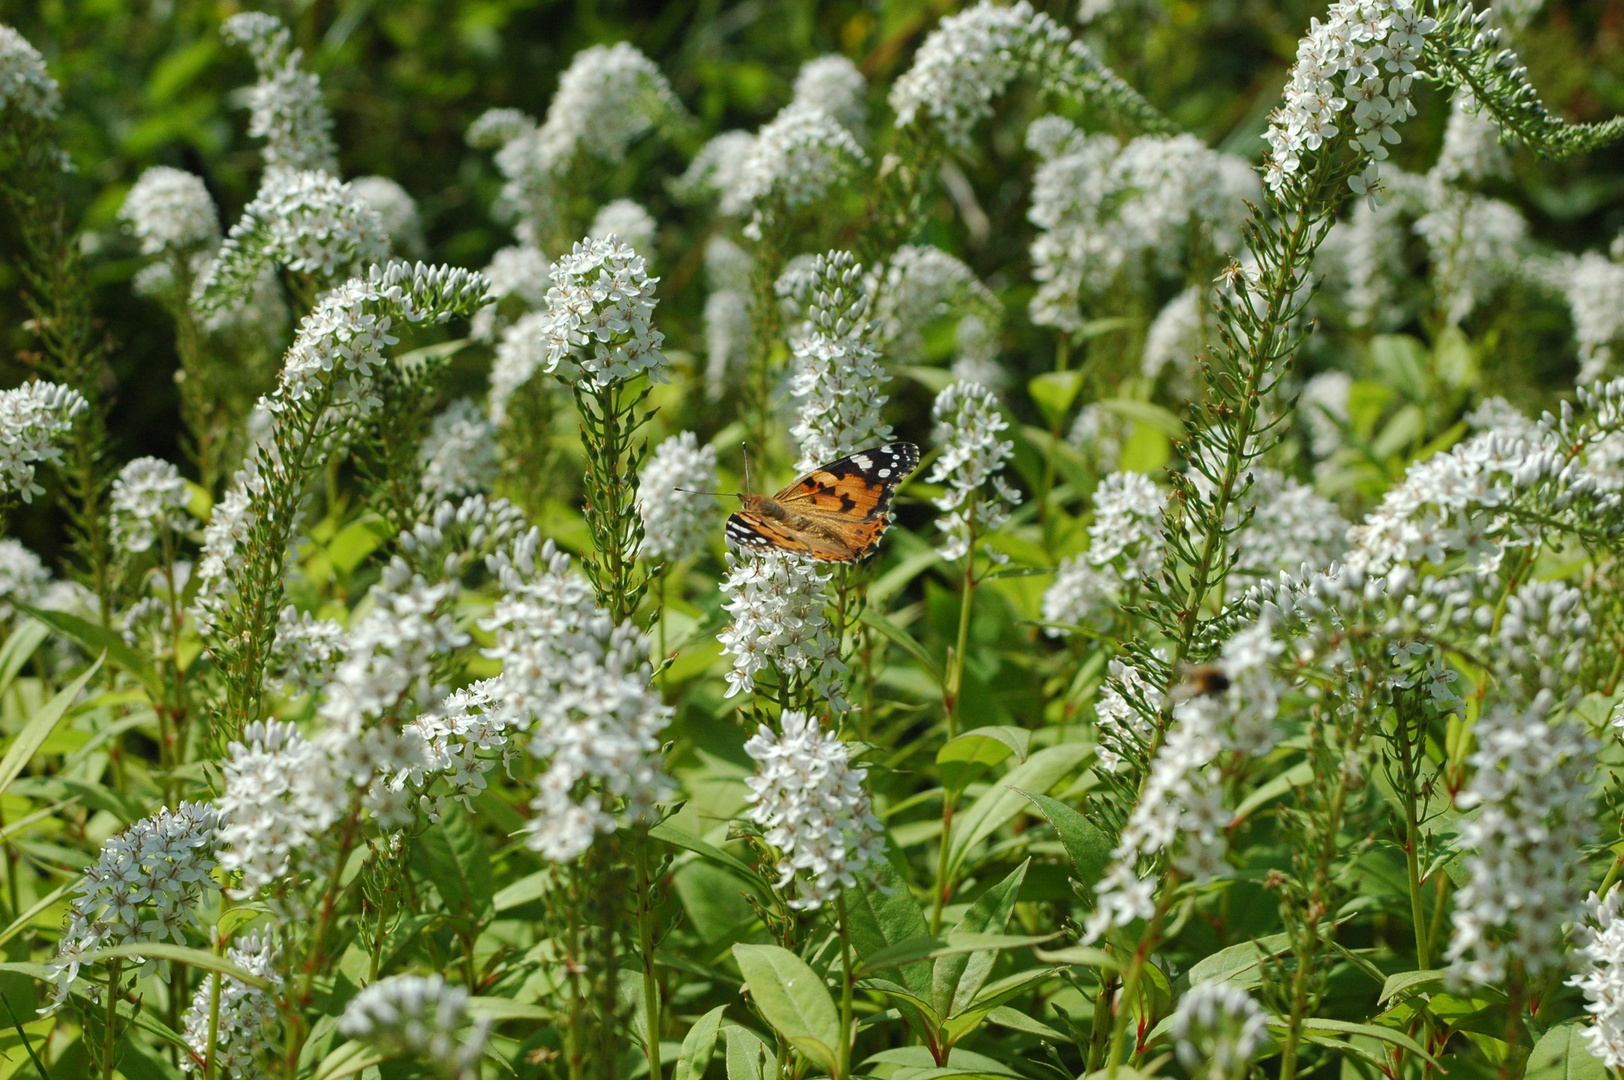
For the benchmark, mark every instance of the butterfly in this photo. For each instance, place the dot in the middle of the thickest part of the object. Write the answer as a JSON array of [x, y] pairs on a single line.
[[835, 513]]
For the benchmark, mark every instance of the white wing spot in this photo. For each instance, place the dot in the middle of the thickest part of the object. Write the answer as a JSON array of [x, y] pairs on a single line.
[[883, 473], [863, 461]]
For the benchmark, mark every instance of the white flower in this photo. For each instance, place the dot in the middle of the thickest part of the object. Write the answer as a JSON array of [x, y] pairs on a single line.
[[1179, 332], [1324, 403], [728, 329], [24, 82], [1365, 257], [1523, 881], [676, 523], [718, 167], [1474, 243], [309, 222], [598, 329], [1594, 287], [973, 56], [626, 219], [1081, 595], [581, 686], [170, 210], [458, 455], [1127, 530], [1363, 54], [833, 83], [1124, 715], [519, 355], [1291, 526], [285, 106], [33, 419], [837, 376], [248, 1025], [1218, 1030], [923, 285], [978, 499], [307, 651], [395, 208], [777, 602], [793, 162], [520, 272], [811, 806], [1600, 934], [458, 740], [23, 577], [146, 886], [147, 496], [422, 1017], [1472, 151], [1100, 433]]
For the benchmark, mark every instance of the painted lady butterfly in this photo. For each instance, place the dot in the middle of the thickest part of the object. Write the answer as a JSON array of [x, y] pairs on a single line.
[[835, 513]]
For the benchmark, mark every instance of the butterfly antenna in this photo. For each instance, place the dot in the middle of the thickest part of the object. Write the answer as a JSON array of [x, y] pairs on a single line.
[[745, 449]]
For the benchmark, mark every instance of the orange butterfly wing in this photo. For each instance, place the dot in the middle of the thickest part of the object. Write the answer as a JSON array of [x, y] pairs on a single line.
[[835, 513]]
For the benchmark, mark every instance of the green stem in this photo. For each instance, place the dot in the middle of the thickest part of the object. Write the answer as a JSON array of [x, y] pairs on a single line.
[[110, 1036], [645, 937], [943, 887], [1412, 840], [214, 1013], [1101, 1028], [847, 1034], [1136, 969], [955, 663]]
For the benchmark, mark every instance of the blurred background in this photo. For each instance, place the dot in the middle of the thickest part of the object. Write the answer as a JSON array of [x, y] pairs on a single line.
[[148, 82]]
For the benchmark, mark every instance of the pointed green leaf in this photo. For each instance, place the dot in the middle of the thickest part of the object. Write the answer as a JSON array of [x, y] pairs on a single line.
[[793, 1000], [956, 978], [883, 914], [1004, 800], [1087, 845], [698, 1046], [97, 639], [39, 727], [1563, 1053], [747, 1056], [347, 1060], [968, 755], [454, 858], [25, 637]]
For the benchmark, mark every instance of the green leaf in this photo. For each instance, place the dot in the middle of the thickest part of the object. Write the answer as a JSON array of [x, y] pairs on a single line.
[[678, 837], [25, 637], [1316, 1025], [528, 888], [1000, 804], [1240, 964], [348, 1060], [1145, 414], [883, 914], [1405, 980], [967, 756], [930, 947], [1053, 393], [991, 997], [454, 858], [1401, 362], [198, 958], [698, 1046], [1087, 845], [499, 1009], [793, 1000], [39, 727], [958, 976], [747, 1056], [1563, 1053], [899, 636], [1015, 1020], [96, 639], [1080, 956]]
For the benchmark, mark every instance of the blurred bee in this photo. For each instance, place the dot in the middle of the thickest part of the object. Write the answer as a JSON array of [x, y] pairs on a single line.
[[1201, 680]]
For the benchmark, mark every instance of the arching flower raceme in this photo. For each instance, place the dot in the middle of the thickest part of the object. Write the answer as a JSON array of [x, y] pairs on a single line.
[[25, 85], [1218, 1030], [396, 209], [285, 106], [835, 85], [777, 601], [794, 160], [458, 455], [1600, 934], [248, 1025], [676, 524], [811, 806]]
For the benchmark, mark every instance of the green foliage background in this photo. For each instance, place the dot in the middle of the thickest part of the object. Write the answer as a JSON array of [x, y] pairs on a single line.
[[150, 82]]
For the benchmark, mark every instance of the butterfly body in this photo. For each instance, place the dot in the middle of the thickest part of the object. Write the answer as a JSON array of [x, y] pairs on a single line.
[[834, 513]]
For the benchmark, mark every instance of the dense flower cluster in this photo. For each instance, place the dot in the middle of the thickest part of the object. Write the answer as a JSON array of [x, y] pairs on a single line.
[[170, 210], [978, 498], [580, 686], [1218, 1029], [677, 524], [812, 808], [396, 209], [1600, 935], [837, 374], [147, 497], [777, 603], [1126, 534], [598, 329], [458, 455], [921, 286], [247, 1025], [1363, 55], [628, 221], [422, 1016], [33, 419], [146, 886], [24, 82], [793, 161], [833, 83], [1523, 883]]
